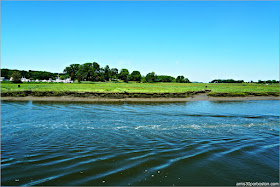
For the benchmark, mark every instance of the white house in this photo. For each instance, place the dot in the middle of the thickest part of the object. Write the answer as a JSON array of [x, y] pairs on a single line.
[[68, 80], [24, 79], [58, 80]]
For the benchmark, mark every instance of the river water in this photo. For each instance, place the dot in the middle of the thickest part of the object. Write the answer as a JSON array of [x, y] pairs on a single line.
[[188, 143]]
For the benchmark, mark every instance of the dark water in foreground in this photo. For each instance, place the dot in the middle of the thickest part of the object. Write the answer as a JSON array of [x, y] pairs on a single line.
[[192, 143]]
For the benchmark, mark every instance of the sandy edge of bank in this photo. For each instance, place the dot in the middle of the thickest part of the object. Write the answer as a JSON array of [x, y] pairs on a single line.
[[202, 97]]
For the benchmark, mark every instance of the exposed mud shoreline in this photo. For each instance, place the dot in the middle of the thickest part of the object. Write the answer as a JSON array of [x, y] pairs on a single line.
[[135, 97], [123, 95], [106, 95], [200, 97]]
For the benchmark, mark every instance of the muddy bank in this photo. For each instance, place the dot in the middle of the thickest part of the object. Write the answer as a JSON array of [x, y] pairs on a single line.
[[135, 97], [243, 94], [101, 95], [200, 97]]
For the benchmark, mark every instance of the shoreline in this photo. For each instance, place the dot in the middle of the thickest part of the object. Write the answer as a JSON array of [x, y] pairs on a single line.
[[202, 97]]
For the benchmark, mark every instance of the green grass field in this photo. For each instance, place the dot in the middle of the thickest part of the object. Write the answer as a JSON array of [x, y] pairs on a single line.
[[142, 87]]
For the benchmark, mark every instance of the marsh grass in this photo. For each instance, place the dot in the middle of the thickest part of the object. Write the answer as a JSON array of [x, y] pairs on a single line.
[[132, 87]]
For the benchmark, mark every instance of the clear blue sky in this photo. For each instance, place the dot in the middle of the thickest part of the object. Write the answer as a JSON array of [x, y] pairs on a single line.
[[200, 40]]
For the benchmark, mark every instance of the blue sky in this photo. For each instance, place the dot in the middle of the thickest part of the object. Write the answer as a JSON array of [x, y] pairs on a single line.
[[200, 40]]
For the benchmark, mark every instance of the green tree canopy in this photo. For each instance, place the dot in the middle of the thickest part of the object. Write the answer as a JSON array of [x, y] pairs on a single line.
[[182, 79], [165, 78], [151, 77], [93, 72], [226, 81], [135, 76], [107, 73], [16, 77], [114, 73], [72, 70], [124, 75]]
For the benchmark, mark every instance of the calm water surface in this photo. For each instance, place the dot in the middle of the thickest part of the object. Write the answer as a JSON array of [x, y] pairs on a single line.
[[190, 143]]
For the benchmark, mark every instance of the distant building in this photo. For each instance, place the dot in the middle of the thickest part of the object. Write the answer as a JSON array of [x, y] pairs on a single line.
[[58, 80], [2, 78], [24, 79], [115, 79], [68, 80]]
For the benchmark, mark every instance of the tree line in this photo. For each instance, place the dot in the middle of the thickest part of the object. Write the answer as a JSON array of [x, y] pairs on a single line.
[[41, 75], [242, 81], [226, 81], [93, 72], [267, 81]]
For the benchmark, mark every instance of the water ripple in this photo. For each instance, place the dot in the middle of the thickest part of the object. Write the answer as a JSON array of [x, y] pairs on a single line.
[[139, 144]]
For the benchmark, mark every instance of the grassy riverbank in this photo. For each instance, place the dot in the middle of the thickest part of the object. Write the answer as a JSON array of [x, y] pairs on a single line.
[[217, 90]]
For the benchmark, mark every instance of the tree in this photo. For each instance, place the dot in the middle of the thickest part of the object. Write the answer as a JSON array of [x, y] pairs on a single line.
[[124, 75], [100, 75], [143, 79], [72, 70], [16, 77], [79, 76], [107, 73], [87, 70], [135, 76], [95, 66], [182, 79], [64, 76], [150, 77], [165, 78], [95, 72], [226, 81], [187, 80], [114, 73], [6, 73]]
